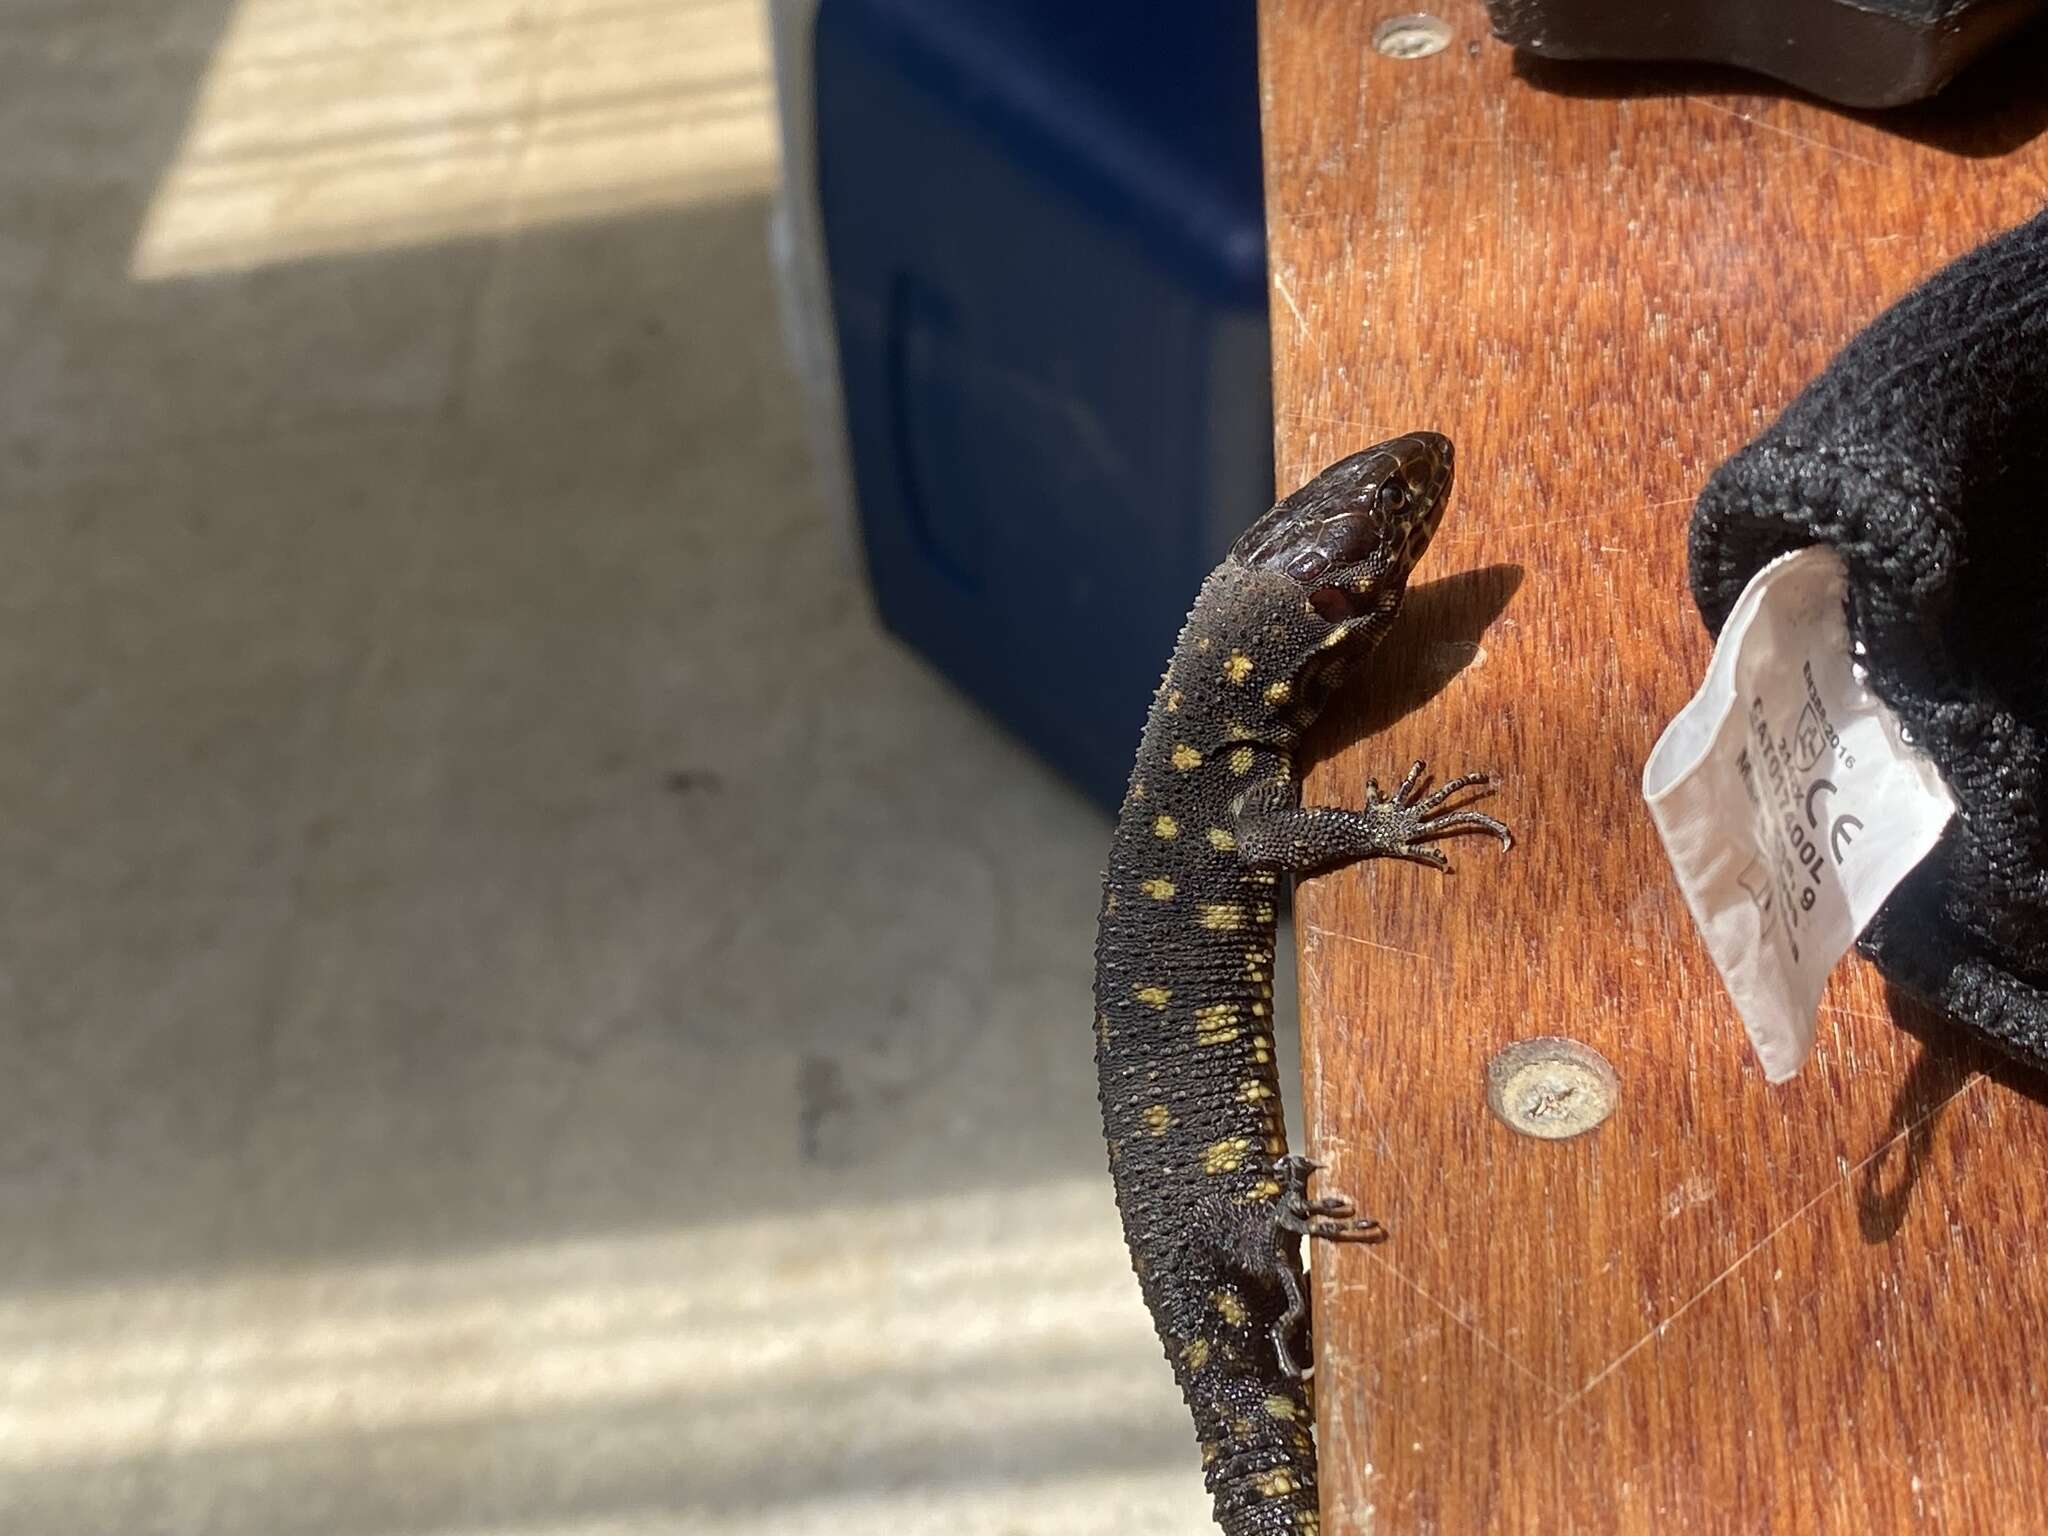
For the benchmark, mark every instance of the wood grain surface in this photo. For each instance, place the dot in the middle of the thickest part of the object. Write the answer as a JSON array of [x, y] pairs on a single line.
[[1816, 1307]]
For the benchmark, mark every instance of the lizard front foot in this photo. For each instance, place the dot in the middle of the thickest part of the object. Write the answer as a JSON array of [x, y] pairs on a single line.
[[1406, 823]]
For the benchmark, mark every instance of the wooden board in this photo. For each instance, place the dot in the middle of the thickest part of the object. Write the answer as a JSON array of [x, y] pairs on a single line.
[[1733, 1307]]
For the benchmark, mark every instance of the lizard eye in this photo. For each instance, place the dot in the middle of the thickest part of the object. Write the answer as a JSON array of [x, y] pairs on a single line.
[[1393, 498]]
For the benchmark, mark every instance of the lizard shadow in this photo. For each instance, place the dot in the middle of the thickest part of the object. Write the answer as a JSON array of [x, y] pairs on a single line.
[[1949, 1059], [1438, 636]]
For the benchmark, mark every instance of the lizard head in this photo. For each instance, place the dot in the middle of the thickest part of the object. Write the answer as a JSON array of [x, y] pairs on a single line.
[[1350, 536]]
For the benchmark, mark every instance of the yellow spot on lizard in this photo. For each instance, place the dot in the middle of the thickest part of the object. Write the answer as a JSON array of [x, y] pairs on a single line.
[[1152, 997], [1231, 1308], [1159, 889], [1186, 757], [1222, 840], [1173, 698], [1238, 668], [1215, 1024], [1195, 1354], [1251, 1091], [1265, 1189], [1280, 1408], [1222, 916], [1203, 643], [1276, 1484], [1166, 827], [1157, 1118], [1241, 760], [1227, 1155], [1277, 693]]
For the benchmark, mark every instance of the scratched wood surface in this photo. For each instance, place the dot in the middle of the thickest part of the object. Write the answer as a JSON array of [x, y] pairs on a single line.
[[1818, 1307]]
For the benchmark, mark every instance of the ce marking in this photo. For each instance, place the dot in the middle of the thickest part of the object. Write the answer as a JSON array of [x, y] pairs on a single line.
[[1842, 833]]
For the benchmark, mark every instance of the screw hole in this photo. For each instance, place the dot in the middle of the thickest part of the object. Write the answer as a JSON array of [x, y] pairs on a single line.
[[1411, 37], [1550, 1088]]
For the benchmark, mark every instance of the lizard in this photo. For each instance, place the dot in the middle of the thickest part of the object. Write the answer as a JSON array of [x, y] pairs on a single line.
[[1214, 1205]]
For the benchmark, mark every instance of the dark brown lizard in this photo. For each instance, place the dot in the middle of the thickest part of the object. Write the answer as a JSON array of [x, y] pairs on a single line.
[[1214, 1206]]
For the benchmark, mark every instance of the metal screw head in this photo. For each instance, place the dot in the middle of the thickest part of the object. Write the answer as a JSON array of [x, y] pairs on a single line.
[[1414, 36], [1551, 1088]]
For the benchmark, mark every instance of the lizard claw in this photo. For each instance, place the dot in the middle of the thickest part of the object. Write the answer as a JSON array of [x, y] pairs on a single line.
[[1282, 1334]]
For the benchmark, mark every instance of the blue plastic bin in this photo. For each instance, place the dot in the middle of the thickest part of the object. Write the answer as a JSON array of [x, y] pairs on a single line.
[[1045, 233]]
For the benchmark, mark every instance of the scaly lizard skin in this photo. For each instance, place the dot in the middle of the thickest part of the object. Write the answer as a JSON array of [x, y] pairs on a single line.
[[1214, 1207]]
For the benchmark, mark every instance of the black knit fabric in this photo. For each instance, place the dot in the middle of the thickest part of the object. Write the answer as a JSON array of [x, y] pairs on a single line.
[[1921, 454]]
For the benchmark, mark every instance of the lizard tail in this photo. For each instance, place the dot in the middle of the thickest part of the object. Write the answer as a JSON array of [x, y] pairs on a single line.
[[1263, 1475]]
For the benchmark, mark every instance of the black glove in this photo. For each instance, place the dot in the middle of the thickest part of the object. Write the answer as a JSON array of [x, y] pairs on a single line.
[[1921, 455]]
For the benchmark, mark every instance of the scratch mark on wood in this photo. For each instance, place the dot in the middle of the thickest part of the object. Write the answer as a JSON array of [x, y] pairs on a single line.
[[1831, 1187], [1338, 1424], [1664, 1325], [1352, 938], [1769, 127], [1294, 309], [1478, 1333]]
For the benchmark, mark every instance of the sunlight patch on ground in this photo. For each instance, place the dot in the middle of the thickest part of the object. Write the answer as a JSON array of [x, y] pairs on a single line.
[[371, 124], [893, 1364], [1128, 1504]]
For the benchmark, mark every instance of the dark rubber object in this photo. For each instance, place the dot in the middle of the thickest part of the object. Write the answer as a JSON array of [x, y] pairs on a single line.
[[1874, 53]]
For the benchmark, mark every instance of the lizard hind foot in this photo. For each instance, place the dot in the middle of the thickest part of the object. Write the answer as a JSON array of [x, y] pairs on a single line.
[[1331, 1217], [1295, 1216]]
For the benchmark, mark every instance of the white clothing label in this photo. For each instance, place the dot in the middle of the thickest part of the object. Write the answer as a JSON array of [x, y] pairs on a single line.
[[1789, 801]]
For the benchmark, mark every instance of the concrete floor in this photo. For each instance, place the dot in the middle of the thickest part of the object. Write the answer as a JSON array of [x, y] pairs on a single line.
[[522, 1011]]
